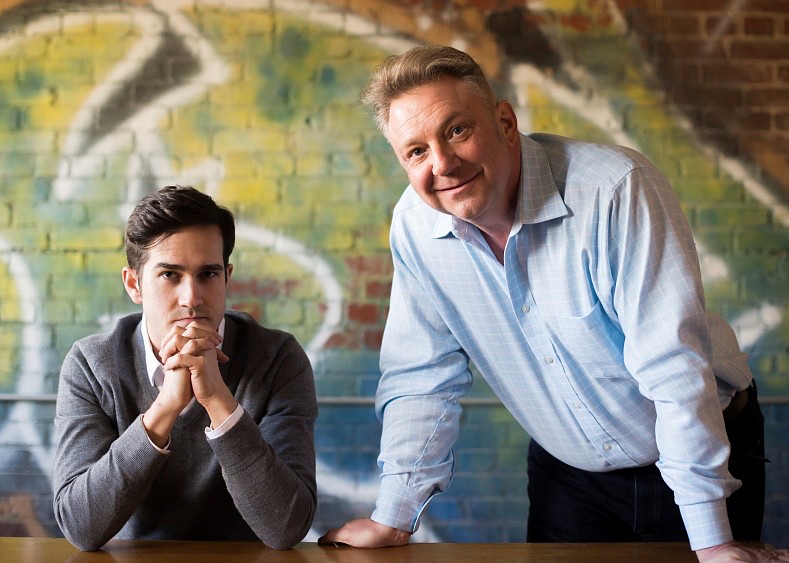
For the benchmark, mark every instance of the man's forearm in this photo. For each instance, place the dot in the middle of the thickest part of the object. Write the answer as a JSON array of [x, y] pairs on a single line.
[[92, 505], [258, 478], [158, 423]]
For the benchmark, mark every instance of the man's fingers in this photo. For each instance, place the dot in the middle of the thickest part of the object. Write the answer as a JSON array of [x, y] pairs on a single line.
[[365, 532], [221, 356], [329, 537], [332, 536], [193, 339], [190, 362], [195, 330], [194, 347]]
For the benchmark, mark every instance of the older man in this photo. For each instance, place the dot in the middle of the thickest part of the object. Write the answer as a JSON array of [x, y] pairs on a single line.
[[567, 273]]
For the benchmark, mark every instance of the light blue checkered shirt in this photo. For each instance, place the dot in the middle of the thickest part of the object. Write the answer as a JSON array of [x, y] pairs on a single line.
[[593, 334]]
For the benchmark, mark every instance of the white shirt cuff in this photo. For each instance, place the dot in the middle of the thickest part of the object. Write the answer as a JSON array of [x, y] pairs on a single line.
[[707, 524], [229, 422], [165, 449], [400, 506]]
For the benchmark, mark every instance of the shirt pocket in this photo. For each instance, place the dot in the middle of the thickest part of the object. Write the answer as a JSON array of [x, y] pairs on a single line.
[[592, 343]]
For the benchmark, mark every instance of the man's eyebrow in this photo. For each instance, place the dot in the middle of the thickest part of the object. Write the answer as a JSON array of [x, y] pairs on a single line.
[[445, 123], [181, 268], [212, 268], [168, 266]]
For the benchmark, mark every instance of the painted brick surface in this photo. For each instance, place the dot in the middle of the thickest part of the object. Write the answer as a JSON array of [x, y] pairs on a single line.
[[257, 105]]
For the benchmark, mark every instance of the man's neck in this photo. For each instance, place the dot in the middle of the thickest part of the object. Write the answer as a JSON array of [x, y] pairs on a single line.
[[497, 244]]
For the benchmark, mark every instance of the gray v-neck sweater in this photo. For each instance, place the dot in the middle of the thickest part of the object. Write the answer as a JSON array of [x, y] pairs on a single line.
[[255, 481]]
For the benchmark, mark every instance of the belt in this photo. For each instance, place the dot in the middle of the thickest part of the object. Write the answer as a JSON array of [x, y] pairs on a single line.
[[737, 404]]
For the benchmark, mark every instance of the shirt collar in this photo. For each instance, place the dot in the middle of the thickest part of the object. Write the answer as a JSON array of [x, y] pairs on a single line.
[[539, 198], [152, 363]]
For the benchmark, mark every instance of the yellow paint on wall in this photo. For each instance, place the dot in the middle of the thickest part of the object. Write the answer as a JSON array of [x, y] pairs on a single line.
[[9, 334], [239, 190], [248, 140], [559, 6]]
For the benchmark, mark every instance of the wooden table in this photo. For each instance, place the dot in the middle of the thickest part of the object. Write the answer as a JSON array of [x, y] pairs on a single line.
[[58, 550]]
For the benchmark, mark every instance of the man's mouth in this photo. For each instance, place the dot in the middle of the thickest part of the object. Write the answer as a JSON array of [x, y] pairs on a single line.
[[184, 321], [458, 185]]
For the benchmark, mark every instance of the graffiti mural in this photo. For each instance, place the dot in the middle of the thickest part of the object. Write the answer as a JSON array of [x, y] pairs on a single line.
[[255, 103]]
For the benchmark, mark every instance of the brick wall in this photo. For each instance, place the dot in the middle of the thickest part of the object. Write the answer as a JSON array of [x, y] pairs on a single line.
[[725, 65], [103, 102]]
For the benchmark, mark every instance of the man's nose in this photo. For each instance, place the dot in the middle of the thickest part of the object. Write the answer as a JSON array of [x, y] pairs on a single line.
[[445, 160], [189, 293]]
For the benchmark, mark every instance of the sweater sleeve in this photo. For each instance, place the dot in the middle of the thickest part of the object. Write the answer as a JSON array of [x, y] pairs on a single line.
[[269, 467], [101, 475]]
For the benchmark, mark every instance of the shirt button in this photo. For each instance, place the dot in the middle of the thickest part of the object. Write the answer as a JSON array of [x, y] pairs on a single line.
[[577, 405], [525, 309], [607, 447], [548, 360]]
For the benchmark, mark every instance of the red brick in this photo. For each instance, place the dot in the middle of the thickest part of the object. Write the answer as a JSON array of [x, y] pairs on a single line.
[[661, 50], [603, 21], [369, 264], [363, 313], [692, 48], [777, 6], [778, 144], [767, 97], [716, 72], [712, 23], [336, 340], [683, 73], [254, 287], [723, 140], [348, 339], [776, 49], [639, 22], [756, 121], [678, 74], [714, 119], [632, 4], [692, 5], [681, 25], [378, 289], [577, 22], [715, 97], [758, 26], [373, 338]]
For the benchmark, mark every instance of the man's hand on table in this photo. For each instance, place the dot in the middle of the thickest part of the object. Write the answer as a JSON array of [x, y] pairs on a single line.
[[734, 551], [365, 532]]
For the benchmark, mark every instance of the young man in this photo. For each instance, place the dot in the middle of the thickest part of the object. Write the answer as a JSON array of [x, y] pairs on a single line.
[[186, 421], [567, 273]]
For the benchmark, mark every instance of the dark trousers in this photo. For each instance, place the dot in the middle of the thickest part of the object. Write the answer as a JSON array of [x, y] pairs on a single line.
[[631, 505]]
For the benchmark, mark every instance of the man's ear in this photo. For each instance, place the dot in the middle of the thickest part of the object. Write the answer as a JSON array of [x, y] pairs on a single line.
[[508, 121], [133, 284]]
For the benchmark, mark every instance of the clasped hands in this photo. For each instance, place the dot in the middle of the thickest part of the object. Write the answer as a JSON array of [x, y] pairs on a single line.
[[191, 365]]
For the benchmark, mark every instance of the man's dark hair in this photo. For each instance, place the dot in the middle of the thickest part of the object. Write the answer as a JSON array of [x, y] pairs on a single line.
[[172, 209]]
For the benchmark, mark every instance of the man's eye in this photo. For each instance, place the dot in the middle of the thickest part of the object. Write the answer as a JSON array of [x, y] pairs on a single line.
[[416, 153], [168, 275], [458, 130]]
